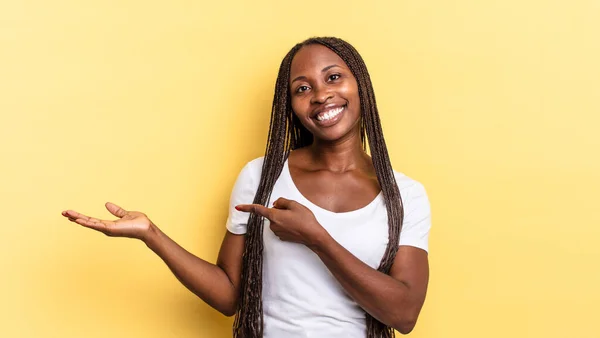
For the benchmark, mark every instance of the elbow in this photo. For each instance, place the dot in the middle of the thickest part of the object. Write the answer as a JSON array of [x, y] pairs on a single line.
[[405, 323], [405, 327], [227, 312], [228, 305], [228, 309]]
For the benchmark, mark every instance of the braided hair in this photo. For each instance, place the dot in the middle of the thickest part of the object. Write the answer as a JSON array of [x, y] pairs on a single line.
[[286, 133]]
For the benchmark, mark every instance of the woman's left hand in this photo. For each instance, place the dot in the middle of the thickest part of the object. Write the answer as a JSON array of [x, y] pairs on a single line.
[[290, 221]]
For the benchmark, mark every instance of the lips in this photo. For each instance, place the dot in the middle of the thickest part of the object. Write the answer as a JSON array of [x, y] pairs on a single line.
[[329, 116], [329, 108]]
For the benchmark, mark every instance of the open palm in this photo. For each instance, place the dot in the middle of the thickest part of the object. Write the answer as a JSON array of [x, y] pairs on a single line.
[[131, 224]]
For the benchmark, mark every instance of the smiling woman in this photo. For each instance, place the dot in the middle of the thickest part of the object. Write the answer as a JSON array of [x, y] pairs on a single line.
[[323, 239], [321, 96]]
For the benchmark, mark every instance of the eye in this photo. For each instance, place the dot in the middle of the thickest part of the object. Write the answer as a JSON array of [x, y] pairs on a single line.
[[301, 89], [334, 77]]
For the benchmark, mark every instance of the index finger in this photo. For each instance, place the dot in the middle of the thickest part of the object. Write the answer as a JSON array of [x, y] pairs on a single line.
[[255, 209], [75, 214], [89, 222]]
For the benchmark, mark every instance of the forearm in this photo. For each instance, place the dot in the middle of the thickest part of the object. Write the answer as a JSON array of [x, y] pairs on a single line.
[[384, 297], [208, 281]]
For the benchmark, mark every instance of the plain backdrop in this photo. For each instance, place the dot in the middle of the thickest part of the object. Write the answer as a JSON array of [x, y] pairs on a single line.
[[156, 106]]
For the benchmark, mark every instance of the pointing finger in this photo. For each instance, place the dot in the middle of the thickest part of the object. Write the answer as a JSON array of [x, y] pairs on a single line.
[[258, 209]]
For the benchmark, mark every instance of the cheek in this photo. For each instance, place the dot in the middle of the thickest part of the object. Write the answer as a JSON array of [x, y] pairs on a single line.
[[295, 106], [350, 91], [300, 107]]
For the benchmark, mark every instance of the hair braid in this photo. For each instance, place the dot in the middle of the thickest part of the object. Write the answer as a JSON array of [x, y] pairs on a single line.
[[287, 133]]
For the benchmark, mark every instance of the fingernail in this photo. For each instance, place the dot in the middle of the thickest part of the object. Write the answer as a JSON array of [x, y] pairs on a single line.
[[237, 208]]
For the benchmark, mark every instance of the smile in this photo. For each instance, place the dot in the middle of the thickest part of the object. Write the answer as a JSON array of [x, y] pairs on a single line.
[[329, 114]]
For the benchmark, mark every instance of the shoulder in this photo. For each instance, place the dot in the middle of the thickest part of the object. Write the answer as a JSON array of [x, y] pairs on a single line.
[[408, 186], [249, 176], [256, 164], [417, 212], [253, 168]]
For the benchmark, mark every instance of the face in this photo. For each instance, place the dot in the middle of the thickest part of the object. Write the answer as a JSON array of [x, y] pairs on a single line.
[[324, 94]]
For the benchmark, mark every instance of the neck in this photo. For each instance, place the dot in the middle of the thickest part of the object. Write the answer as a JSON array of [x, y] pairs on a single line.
[[340, 155]]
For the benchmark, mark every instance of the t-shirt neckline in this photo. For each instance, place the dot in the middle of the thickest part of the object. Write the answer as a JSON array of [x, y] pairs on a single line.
[[306, 202]]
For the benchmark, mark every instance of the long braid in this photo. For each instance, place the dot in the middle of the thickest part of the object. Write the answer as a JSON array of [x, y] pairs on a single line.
[[287, 133], [249, 316]]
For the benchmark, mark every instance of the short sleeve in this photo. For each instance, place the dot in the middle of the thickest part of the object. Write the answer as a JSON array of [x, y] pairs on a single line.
[[417, 218], [243, 192]]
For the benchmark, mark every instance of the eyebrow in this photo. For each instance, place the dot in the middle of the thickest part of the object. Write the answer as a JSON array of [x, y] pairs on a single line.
[[302, 77]]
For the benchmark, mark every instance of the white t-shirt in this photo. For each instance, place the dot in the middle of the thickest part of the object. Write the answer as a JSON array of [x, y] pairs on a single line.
[[301, 298]]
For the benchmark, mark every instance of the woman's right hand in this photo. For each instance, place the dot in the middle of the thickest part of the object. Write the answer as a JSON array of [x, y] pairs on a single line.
[[217, 284], [132, 224]]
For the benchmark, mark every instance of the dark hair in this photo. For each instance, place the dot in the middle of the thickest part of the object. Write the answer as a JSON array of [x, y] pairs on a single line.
[[286, 133]]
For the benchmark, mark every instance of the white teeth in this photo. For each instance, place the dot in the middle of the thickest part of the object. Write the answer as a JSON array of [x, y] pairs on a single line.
[[329, 114]]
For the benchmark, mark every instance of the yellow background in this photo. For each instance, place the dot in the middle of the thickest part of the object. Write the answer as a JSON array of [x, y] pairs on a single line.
[[156, 105]]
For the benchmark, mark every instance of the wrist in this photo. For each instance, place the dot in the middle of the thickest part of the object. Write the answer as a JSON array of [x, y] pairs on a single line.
[[320, 241], [150, 238]]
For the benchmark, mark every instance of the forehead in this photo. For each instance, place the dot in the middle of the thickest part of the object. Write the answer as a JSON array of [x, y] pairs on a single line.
[[313, 58]]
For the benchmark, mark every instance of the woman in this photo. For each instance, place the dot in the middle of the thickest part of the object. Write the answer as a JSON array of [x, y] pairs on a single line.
[[322, 240]]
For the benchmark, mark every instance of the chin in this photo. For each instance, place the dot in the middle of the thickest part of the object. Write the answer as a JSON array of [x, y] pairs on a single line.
[[333, 134]]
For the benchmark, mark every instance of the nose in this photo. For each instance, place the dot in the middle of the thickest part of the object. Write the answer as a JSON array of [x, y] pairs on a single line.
[[321, 94]]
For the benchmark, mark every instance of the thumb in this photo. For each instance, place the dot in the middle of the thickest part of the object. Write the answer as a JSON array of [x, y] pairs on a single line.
[[115, 209], [282, 203]]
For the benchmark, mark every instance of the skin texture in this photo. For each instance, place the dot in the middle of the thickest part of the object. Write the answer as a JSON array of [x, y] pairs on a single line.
[[328, 172], [333, 168]]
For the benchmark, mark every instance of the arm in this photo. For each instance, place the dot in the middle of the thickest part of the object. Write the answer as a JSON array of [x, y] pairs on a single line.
[[218, 285], [394, 299]]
